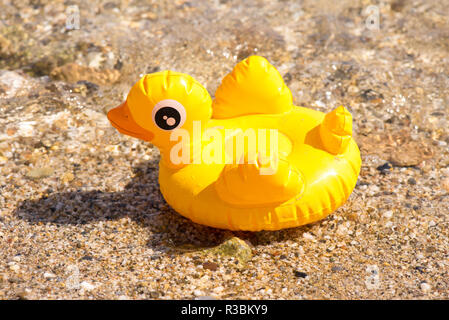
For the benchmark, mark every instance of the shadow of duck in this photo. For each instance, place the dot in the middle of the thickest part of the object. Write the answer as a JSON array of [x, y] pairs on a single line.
[[142, 202]]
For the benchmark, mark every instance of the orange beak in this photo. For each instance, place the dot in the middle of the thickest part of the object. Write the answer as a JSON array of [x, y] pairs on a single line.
[[121, 119]]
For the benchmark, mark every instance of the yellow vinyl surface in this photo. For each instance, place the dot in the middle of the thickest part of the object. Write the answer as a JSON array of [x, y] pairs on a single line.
[[318, 160]]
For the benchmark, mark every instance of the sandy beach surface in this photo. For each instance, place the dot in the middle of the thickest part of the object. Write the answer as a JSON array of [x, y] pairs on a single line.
[[81, 215]]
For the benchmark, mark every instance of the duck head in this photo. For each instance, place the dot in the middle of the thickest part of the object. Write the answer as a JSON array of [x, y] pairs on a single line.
[[160, 103]]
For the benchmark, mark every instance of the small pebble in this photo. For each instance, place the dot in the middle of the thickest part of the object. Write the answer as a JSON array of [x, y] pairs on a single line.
[[210, 265], [431, 249], [38, 173], [87, 286], [14, 267], [388, 214], [233, 247], [67, 177], [49, 275], [336, 268], [299, 274], [12, 83], [24, 295], [15, 280], [205, 298], [88, 258], [218, 289], [445, 184], [384, 168], [198, 293], [308, 236], [420, 269], [425, 287]]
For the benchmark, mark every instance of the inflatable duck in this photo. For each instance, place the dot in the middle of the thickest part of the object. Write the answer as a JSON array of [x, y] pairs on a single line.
[[313, 172]]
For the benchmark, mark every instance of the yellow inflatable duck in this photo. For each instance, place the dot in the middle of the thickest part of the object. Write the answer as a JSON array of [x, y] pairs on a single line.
[[312, 173]]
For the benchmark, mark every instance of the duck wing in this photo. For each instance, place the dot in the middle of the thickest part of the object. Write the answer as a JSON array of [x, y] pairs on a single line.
[[261, 183], [253, 87]]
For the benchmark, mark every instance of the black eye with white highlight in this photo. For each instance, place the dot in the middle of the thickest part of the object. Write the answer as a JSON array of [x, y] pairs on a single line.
[[169, 114]]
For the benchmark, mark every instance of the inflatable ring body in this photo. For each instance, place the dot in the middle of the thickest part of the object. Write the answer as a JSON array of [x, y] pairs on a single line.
[[313, 171]]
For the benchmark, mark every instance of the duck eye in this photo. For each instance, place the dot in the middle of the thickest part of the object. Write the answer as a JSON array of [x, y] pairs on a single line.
[[169, 114]]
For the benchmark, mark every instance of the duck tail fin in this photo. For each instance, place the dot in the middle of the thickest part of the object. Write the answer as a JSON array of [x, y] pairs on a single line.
[[253, 87], [336, 130]]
